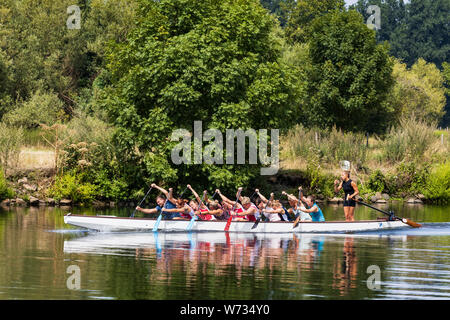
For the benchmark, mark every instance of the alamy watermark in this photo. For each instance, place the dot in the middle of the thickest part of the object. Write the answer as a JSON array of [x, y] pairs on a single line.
[[374, 280], [374, 20], [213, 152], [74, 280], [74, 20]]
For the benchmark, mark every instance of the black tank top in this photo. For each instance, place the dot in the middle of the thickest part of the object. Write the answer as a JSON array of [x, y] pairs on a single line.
[[347, 187]]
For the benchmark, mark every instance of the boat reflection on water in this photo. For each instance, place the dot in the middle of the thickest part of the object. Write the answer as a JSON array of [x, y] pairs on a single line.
[[197, 252]]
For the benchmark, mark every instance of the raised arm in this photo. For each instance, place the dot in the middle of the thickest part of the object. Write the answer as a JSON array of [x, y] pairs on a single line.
[[302, 197], [290, 196], [337, 185], [225, 199], [263, 199], [194, 193], [168, 194]]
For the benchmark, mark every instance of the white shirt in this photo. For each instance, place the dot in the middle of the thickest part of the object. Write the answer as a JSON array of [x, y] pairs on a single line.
[[304, 216], [272, 216]]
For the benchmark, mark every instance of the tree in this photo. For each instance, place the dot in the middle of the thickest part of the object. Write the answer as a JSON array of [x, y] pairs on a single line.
[[446, 74], [349, 76], [5, 84], [418, 29], [212, 61], [392, 15], [43, 54], [425, 33], [302, 12], [419, 91]]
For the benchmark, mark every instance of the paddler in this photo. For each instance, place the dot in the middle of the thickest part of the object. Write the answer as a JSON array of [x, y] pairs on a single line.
[[274, 208], [350, 192], [202, 210], [244, 211], [310, 207], [297, 208], [169, 202]]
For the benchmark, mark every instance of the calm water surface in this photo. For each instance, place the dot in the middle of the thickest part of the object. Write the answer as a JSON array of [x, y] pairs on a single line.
[[36, 249]]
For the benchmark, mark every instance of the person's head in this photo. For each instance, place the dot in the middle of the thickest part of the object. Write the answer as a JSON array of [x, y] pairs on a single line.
[[193, 204], [180, 203], [292, 203], [276, 204], [214, 205], [310, 200], [259, 203], [245, 201], [226, 206], [160, 200], [345, 175]]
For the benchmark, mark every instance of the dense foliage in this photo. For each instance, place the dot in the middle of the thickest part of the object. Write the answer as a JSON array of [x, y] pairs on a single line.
[[187, 61], [350, 74], [109, 95]]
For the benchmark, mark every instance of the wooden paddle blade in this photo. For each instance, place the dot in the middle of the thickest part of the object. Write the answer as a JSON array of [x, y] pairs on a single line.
[[411, 223], [296, 224]]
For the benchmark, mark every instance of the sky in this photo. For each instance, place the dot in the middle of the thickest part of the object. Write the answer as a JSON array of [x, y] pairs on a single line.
[[350, 2]]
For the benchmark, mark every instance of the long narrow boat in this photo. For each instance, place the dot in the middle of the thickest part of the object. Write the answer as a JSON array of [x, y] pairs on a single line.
[[113, 223]]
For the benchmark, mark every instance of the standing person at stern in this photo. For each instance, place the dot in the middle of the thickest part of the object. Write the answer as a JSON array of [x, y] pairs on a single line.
[[350, 192]]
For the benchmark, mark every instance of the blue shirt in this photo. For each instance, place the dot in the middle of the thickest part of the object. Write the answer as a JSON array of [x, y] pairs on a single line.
[[169, 215], [318, 215]]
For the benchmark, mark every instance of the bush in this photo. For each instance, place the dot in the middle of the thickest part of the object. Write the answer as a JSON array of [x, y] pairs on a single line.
[[409, 179], [42, 107], [11, 140], [110, 187], [5, 191], [377, 181], [437, 188], [70, 186], [410, 141], [330, 145]]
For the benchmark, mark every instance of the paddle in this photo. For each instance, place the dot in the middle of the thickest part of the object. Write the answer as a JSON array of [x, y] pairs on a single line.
[[155, 227], [297, 221], [194, 217], [392, 216], [259, 218], [227, 226], [132, 215]]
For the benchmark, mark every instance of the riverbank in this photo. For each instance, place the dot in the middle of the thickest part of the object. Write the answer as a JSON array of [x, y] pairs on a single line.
[[31, 189]]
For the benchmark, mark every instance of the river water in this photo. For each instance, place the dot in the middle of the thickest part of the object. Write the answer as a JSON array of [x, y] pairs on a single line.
[[40, 256]]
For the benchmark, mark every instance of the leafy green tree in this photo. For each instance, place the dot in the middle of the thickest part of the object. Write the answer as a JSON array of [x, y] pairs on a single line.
[[278, 8], [302, 12], [214, 61], [5, 84], [41, 108], [44, 54], [425, 33], [446, 74], [418, 29], [419, 91], [349, 76], [393, 15]]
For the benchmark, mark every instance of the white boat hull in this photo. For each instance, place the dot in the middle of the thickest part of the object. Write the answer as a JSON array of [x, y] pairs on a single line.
[[111, 223]]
